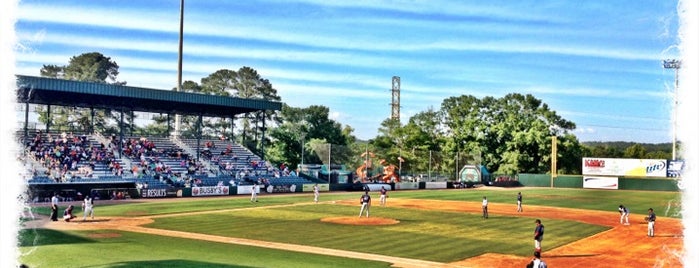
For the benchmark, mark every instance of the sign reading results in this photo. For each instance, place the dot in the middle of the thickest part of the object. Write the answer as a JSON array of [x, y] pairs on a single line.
[[150, 193], [624, 167]]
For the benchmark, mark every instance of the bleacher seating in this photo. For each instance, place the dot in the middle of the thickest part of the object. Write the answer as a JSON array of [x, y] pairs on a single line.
[[229, 154], [222, 154], [53, 155]]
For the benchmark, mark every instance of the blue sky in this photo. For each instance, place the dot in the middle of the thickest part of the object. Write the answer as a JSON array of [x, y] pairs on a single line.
[[596, 63]]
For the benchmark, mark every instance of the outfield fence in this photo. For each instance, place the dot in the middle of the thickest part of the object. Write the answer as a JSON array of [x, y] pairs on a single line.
[[576, 181]]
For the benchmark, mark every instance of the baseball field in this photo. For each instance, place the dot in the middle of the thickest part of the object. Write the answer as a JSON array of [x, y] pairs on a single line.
[[426, 228]]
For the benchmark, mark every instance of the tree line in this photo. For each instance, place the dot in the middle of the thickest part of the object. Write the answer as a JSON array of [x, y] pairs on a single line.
[[508, 135]]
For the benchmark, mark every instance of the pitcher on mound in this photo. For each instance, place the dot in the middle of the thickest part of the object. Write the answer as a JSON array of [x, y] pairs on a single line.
[[365, 200]]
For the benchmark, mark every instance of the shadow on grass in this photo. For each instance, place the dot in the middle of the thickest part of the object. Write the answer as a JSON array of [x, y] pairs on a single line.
[[171, 264], [42, 237]]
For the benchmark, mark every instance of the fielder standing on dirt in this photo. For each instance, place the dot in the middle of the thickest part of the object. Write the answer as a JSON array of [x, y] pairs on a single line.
[[624, 213], [365, 200], [651, 222], [538, 235], [382, 197], [519, 202], [87, 208]]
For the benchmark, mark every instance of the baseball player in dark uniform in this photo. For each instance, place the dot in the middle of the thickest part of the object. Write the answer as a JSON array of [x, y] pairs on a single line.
[[365, 200], [382, 197], [624, 213], [651, 222], [519, 202], [538, 235], [68, 213], [485, 207]]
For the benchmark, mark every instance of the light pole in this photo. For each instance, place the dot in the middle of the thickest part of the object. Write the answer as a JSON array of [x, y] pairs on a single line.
[[178, 118], [303, 141], [674, 64]]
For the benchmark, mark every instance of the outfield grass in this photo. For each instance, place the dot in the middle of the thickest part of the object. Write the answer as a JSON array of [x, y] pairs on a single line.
[[49, 248], [665, 204], [428, 235]]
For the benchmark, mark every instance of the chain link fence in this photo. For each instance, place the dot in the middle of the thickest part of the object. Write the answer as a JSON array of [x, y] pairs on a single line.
[[411, 164]]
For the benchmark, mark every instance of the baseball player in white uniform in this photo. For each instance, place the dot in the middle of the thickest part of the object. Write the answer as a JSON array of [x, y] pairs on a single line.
[[87, 208], [316, 193], [254, 190]]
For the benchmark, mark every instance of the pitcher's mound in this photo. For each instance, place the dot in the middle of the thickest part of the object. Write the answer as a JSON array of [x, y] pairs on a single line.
[[360, 221]]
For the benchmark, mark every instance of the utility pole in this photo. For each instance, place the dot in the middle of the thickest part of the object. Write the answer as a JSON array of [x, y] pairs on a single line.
[[178, 118], [554, 158]]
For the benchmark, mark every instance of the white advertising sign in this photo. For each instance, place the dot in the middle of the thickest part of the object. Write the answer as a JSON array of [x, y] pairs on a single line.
[[601, 182], [209, 190], [624, 167], [245, 189], [436, 185], [407, 185]]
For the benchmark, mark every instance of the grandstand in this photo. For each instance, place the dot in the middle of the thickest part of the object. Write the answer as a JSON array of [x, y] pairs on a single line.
[[139, 162]]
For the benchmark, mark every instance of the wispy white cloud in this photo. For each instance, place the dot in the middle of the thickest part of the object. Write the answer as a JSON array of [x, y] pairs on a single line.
[[454, 8], [612, 117], [598, 92], [163, 22], [587, 130]]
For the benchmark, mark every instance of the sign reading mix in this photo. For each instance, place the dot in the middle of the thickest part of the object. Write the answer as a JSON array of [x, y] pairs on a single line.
[[624, 167]]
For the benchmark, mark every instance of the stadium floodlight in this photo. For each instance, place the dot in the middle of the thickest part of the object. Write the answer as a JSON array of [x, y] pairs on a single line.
[[674, 64]]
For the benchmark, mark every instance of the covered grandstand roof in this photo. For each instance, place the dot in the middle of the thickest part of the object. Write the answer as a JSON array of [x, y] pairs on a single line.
[[51, 91]]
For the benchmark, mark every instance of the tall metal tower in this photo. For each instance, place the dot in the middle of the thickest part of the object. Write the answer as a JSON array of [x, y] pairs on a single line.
[[395, 100]]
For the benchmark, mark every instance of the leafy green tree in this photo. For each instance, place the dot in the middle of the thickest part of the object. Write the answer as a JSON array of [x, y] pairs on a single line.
[[635, 151], [570, 154], [509, 135], [309, 128], [89, 67]]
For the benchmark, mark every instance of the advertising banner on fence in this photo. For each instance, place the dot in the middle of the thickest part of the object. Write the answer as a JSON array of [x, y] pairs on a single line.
[[674, 168], [624, 167], [153, 193], [322, 187], [407, 185], [245, 189], [436, 185], [377, 186], [209, 190], [287, 188], [601, 182]]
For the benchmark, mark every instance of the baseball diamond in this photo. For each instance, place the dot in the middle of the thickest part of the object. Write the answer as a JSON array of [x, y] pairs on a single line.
[[616, 245]]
